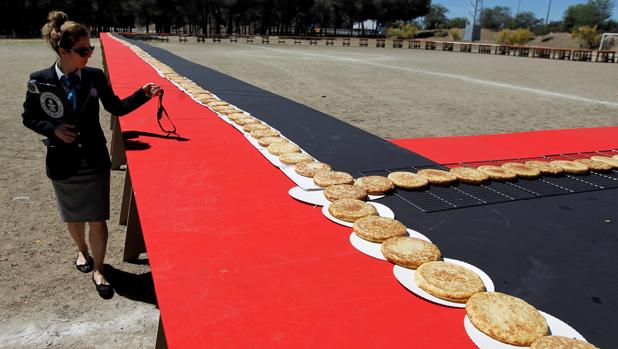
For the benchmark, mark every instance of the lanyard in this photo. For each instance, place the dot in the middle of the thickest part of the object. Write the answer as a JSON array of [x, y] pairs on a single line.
[[160, 113]]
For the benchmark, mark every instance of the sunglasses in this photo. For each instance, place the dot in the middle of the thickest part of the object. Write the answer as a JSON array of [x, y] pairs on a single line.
[[84, 51], [162, 112]]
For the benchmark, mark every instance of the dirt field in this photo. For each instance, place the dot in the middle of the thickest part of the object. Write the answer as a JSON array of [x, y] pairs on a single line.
[[395, 93], [402, 93]]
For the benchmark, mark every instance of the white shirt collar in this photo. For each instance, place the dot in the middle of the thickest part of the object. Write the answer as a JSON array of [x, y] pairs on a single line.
[[61, 74]]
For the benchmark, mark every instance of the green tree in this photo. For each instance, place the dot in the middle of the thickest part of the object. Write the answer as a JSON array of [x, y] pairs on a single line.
[[392, 10], [400, 30], [592, 13], [496, 18], [587, 36], [25, 17], [436, 18], [525, 19], [457, 22], [321, 13], [144, 12], [519, 36], [455, 34], [610, 26]]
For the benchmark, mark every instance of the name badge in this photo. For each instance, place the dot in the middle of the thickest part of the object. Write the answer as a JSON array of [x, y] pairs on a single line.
[[52, 105]]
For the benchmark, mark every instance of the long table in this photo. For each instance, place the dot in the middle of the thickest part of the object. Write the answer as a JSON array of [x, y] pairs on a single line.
[[236, 261]]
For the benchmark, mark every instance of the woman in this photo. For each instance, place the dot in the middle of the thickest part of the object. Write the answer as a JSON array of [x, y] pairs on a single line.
[[62, 104]]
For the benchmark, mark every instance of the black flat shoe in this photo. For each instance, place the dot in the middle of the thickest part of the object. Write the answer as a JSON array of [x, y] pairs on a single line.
[[105, 291], [86, 268]]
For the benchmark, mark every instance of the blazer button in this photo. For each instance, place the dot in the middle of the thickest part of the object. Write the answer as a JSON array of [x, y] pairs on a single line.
[[79, 145]]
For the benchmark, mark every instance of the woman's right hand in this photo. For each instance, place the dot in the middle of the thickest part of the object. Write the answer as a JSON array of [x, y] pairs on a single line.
[[65, 132]]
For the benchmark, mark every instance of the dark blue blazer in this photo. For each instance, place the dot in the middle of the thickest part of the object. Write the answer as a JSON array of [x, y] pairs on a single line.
[[42, 114]]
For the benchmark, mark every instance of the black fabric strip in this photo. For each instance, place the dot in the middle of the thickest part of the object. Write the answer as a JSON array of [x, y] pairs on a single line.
[[343, 146], [558, 253]]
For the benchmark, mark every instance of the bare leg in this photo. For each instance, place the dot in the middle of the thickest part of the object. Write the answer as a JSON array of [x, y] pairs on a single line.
[[98, 245], [78, 233]]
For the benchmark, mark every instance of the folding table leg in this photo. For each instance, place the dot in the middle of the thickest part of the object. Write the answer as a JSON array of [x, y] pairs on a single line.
[[161, 342], [134, 240], [126, 199], [118, 155]]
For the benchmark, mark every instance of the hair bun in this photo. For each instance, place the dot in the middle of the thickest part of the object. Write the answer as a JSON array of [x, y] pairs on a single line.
[[57, 19]]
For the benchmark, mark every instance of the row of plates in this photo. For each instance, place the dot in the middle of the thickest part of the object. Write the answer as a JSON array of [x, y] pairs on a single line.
[[307, 191], [406, 277]]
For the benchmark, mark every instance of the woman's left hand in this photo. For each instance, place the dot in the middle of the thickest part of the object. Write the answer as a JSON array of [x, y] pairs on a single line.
[[151, 89]]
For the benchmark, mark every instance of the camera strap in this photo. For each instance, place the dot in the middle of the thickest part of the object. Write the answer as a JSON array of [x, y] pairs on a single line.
[[162, 112]]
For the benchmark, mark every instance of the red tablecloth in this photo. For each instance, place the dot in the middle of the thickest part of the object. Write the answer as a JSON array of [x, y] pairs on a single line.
[[236, 261], [513, 145]]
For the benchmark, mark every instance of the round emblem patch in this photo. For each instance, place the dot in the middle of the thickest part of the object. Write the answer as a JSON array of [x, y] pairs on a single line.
[[52, 105], [93, 92]]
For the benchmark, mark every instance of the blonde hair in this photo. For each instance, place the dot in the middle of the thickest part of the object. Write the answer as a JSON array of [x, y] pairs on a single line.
[[60, 32]]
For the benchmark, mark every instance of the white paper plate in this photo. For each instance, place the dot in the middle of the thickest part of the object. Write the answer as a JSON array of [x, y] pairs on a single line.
[[556, 326], [375, 197], [313, 197], [407, 278], [274, 159], [306, 183], [372, 249], [383, 211]]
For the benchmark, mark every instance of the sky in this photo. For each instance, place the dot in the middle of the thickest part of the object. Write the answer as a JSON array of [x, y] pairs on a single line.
[[460, 8]]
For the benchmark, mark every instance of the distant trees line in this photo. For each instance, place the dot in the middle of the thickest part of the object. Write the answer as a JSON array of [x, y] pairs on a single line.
[[24, 18], [584, 21], [591, 13]]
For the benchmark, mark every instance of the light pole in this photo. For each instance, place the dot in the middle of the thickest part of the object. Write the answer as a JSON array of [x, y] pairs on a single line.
[[547, 17], [473, 27]]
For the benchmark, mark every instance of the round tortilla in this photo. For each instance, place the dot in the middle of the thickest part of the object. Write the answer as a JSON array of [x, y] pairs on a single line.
[[438, 177], [327, 178], [469, 175], [571, 166], [410, 252], [350, 210], [448, 281], [375, 185], [498, 173], [310, 168], [560, 342], [407, 180], [506, 318], [522, 170], [378, 229], [545, 167], [344, 191]]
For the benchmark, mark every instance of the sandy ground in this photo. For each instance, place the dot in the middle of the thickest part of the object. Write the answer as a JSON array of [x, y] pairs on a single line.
[[395, 93], [402, 93], [44, 301]]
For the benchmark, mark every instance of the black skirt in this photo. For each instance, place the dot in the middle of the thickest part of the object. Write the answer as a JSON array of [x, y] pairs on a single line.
[[83, 197]]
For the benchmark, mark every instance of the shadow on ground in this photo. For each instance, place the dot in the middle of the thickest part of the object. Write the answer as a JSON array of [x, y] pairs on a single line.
[[137, 287]]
